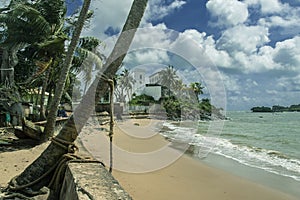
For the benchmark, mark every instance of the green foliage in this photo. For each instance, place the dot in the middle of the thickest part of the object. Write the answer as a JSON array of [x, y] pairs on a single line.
[[172, 107], [124, 87], [142, 100], [205, 106], [24, 24], [52, 10], [261, 109], [277, 108], [169, 79]]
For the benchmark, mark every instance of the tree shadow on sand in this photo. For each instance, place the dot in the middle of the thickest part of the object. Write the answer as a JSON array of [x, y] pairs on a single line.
[[9, 142]]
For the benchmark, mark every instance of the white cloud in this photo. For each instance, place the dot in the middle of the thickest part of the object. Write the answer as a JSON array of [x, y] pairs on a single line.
[[240, 48], [285, 56], [148, 56], [289, 83], [4, 3], [231, 83], [287, 53], [271, 6], [158, 9], [111, 13], [228, 12], [290, 20], [219, 57], [268, 6], [243, 38], [272, 92]]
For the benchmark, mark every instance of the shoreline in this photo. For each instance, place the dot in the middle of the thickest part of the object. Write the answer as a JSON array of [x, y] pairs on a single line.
[[186, 177], [274, 181]]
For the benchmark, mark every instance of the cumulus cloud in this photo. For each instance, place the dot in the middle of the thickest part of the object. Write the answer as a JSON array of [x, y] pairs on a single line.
[[228, 12], [243, 38], [147, 56], [289, 84], [288, 20], [108, 14], [232, 83], [158, 9], [268, 6], [4, 3], [111, 15], [287, 53]]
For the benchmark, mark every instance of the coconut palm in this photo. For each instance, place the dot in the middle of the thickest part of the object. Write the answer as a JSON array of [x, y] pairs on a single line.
[[169, 78], [51, 118], [125, 84], [70, 130], [197, 89], [25, 23]]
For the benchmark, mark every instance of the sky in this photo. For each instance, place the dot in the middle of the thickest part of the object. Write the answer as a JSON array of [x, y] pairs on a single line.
[[249, 49]]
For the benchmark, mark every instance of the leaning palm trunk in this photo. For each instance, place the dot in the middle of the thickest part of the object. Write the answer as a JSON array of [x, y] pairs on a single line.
[[98, 88], [9, 61], [51, 118]]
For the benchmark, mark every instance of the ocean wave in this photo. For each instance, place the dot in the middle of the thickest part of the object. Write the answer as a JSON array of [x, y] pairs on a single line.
[[267, 159]]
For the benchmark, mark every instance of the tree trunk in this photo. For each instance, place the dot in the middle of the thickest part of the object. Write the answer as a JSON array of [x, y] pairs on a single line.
[[98, 88], [51, 118], [9, 61], [43, 96]]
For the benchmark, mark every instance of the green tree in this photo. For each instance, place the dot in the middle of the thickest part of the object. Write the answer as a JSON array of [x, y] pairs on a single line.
[[51, 118], [125, 83], [169, 78], [30, 38], [70, 130], [197, 89], [24, 24]]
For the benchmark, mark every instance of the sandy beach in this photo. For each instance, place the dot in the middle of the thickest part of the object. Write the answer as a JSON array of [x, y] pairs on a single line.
[[148, 167], [182, 178]]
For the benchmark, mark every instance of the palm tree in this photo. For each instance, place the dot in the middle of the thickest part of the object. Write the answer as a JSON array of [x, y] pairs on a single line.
[[70, 130], [196, 88], [169, 78], [51, 118], [125, 83], [24, 24], [32, 35]]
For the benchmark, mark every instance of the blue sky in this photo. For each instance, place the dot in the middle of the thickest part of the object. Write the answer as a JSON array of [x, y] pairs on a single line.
[[255, 44]]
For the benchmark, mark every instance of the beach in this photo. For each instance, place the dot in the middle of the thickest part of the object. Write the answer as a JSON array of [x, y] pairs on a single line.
[[148, 166], [184, 178]]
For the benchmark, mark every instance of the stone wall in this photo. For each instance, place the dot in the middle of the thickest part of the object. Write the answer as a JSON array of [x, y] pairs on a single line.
[[91, 181]]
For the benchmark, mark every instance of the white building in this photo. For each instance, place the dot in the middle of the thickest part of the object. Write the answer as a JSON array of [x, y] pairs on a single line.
[[139, 76], [155, 78], [153, 90]]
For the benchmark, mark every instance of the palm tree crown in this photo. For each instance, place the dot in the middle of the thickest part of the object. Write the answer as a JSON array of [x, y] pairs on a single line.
[[169, 78]]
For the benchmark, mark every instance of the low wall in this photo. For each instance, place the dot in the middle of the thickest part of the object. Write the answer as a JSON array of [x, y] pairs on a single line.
[[90, 181]]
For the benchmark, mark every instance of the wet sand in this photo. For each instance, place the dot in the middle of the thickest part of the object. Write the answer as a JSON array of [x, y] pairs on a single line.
[[148, 167]]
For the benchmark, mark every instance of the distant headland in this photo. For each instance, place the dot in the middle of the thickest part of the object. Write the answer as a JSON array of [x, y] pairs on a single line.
[[277, 108]]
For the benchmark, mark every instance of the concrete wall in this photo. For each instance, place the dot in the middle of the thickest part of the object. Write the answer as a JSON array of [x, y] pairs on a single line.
[[154, 91], [90, 181]]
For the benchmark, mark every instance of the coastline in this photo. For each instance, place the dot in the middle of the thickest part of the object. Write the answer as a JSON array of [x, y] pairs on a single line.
[[186, 177]]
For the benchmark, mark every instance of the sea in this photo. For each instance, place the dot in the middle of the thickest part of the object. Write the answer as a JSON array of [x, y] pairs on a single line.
[[262, 147]]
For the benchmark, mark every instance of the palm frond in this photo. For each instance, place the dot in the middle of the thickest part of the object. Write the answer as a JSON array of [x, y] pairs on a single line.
[[90, 61], [26, 24]]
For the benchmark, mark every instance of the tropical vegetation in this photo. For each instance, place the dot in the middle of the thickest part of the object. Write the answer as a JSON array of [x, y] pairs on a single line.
[[48, 160], [277, 108], [32, 62], [124, 86], [179, 100]]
